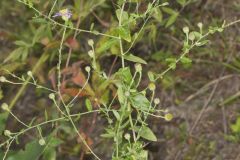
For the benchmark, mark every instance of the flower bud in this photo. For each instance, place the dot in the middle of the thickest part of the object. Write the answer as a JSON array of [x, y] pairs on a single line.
[[127, 136], [138, 67], [156, 101], [91, 53], [191, 36], [200, 25], [90, 42], [51, 96], [168, 117], [29, 73], [2, 79], [87, 69], [152, 86], [5, 107], [127, 94], [42, 142], [186, 30], [7, 133]]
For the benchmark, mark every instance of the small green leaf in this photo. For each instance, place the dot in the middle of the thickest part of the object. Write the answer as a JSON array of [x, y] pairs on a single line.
[[124, 17], [202, 43], [151, 76], [116, 114], [124, 74], [147, 133], [124, 33], [182, 2], [88, 105], [139, 101], [172, 19], [132, 58], [104, 46], [186, 60]]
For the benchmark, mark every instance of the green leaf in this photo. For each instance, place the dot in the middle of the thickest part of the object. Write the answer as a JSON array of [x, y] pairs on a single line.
[[124, 33], [88, 105], [121, 96], [50, 150], [202, 43], [172, 19], [158, 15], [116, 114], [17, 54], [124, 17], [151, 76], [186, 60], [39, 33], [147, 133], [171, 62], [182, 2], [132, 58], [32, 151], [3, 120], [104, 46], [169, 10], [50, 154], [22, 44], [124, 74], [236, 127], [139, 101]]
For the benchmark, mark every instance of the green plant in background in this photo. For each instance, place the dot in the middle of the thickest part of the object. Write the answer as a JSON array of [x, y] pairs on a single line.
[[117, 96], [235, 131]]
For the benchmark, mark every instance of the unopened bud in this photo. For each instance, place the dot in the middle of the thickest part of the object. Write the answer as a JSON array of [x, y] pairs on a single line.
[[42, 142], [2, 79], [200, 25], [29, 73], [152, 86], [127, 93], [186, 30], [51, 96], [7, 133], [5, 107], [127, 136], [90, 42], [87, 69], [138, 67], [191, 36], [156, 101], [168, 117], [91, 53]]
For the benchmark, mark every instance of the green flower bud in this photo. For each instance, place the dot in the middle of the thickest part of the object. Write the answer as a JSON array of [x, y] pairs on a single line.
[[186, 30], [200, 25], [91, 53], [42, 142], [90, 42], [3, 79], [191, 36], [127, 94], [5, 107], [87, 69], [156, 101], [138, 67], [7, 133], [51, 96], [29, 73], [152, 86], [127, 136], [168, 117]]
